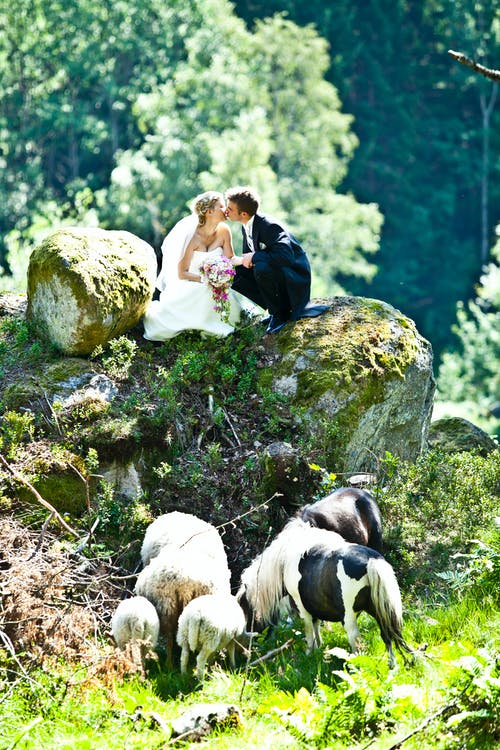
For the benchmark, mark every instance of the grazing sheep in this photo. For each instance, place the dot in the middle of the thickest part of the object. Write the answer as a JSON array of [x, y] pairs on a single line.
[[181, 530], [207, 625], [176, 576], [134, 622]]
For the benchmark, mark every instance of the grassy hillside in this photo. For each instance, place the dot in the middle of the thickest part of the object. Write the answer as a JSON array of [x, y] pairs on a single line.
[[196, 407]]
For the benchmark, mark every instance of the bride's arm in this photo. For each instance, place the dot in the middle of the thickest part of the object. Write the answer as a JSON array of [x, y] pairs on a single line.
[[227, 245], [185, 262]]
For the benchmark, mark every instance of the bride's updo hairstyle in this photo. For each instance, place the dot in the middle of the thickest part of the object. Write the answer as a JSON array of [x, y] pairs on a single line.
[[203, 203]]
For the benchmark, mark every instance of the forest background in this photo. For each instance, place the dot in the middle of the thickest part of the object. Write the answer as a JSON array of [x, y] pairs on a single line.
[[351, 118]]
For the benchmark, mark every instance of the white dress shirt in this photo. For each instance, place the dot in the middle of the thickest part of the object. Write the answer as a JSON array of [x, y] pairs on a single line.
[[248, 232]]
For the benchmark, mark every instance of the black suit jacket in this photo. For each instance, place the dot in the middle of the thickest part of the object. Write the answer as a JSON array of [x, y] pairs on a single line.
[[281, 248], [280, 280]]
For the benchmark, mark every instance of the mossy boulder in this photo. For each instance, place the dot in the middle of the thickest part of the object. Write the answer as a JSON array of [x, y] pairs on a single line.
[[56, 473], [359, 378], [454, 435], [67, 381], [88, 285]]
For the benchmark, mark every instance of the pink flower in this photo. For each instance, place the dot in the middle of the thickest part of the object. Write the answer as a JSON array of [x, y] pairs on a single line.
[[219, 273]]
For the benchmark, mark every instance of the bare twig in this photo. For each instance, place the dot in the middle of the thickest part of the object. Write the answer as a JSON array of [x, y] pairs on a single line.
[[37, 496], [428, 720], [42, 534], [487, 72], [226, 415], [232, 522], [272, 653]]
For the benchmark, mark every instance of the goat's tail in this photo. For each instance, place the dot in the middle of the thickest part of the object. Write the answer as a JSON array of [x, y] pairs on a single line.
[[386, 600]]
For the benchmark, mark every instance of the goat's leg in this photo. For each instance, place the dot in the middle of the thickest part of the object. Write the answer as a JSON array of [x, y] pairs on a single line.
[[351, 628]]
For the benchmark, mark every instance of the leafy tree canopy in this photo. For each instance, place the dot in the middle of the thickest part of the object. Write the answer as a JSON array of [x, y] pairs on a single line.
[[121, 114]]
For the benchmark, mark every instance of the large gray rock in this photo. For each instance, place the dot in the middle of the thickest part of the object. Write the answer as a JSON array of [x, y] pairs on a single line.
[[360, 376], [454, 435], [88, 285]]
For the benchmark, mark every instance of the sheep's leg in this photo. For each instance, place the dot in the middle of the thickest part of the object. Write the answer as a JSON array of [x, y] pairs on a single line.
[[184, 658], [201, 662], [230, 654]]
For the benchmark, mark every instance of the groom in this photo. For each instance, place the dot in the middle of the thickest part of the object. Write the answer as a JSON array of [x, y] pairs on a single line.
[[275, 272]]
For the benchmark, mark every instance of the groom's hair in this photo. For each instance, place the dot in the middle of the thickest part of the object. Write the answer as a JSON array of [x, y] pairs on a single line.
[[246, 198]]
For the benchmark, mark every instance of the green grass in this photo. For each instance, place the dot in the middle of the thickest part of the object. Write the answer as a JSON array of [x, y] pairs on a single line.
[[328, 699]]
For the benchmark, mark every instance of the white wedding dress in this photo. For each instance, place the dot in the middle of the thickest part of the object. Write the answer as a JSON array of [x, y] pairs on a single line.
[[189, 306]]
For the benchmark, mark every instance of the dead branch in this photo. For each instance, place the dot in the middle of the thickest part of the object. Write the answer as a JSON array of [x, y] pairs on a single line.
[[430, 718], [42, 534], [37, 496], [226, 415], [487, 72], [272, 653]]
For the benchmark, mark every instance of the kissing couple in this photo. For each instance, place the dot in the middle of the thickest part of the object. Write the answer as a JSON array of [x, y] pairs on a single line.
[[272, 273]]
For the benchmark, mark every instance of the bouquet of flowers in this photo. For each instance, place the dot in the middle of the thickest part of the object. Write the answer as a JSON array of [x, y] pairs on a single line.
[[219, 274]]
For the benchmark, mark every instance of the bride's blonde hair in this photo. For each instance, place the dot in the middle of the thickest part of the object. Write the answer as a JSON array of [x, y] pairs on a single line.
[[203, 203]]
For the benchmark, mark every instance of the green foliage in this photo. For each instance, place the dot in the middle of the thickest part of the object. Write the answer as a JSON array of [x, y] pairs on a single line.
[[15, 429], [476, 572], [469, 377], [437, 487], [118, 358], [475, 721], [119, 517]]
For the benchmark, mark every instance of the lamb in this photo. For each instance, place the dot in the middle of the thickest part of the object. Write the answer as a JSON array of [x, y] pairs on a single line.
[[135, 623], [180, 530], [207, 625], [176, 576]]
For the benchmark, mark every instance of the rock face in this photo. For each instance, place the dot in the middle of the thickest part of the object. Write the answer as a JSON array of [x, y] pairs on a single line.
[[361, 376], [286, 473], [454, 434], [87, 286]]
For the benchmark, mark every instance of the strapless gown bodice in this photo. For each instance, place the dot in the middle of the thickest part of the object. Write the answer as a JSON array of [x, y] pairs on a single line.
[[188, 306]]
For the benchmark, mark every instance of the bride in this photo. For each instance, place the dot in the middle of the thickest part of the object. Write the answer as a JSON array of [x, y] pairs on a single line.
[[186, 301]]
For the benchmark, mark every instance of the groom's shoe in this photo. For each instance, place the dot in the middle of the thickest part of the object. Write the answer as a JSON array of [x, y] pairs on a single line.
[[265, 321], [311, 311], [275, 325]]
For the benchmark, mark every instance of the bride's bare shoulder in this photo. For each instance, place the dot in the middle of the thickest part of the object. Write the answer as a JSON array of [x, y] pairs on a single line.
[[223, 229]]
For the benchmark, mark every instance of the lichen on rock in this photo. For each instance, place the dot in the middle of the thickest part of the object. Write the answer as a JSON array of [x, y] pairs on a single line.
[[363, 374], [88, 285], [454, 435]]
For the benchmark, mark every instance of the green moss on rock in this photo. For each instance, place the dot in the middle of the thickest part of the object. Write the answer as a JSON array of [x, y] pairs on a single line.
[[86, 286], [359, 364], [56, 473], [454, 435]]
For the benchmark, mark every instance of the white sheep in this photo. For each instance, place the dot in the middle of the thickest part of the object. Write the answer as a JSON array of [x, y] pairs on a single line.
[[207, 625], [181, 530], [136, 623], [176, 576]]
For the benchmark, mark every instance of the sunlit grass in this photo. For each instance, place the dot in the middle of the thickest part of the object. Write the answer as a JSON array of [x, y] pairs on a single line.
[[327, 699]]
